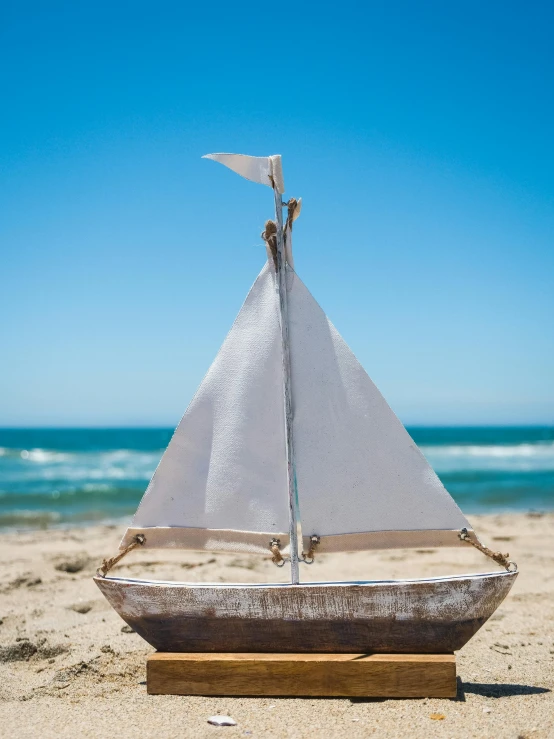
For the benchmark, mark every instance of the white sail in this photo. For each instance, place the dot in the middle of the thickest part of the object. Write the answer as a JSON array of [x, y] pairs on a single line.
[[263, 170], [362, 481], [222, 481]]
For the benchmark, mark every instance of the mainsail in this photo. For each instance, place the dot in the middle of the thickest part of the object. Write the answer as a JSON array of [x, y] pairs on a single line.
[[227, 479], [221, 483]]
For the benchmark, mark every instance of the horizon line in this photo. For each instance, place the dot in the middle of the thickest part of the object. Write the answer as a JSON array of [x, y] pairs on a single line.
[[164, 427]]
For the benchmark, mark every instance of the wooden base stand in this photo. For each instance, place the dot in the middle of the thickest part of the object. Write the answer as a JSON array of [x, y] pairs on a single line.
[[348, 675]]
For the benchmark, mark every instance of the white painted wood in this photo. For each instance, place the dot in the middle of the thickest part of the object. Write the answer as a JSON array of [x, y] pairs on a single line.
[[450, 598], [283, 309]]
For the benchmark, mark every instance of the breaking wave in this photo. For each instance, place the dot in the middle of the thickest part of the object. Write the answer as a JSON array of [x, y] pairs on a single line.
[[509, 457]]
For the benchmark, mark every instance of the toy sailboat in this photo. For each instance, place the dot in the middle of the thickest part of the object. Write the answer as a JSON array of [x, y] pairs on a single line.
[[289, 450]]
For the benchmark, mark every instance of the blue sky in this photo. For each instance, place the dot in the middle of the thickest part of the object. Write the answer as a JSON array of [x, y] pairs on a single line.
[[419, 136]]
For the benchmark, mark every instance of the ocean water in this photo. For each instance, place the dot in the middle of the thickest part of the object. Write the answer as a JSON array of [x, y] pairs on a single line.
[[51, 477]]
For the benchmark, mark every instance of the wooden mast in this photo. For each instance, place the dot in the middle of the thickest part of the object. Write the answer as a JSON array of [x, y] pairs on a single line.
[[283, 305]]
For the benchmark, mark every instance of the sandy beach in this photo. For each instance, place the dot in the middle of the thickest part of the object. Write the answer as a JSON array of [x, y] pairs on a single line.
[[69, 666]]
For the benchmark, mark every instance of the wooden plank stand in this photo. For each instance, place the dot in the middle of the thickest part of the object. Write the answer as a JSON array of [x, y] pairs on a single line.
[[295, 675]]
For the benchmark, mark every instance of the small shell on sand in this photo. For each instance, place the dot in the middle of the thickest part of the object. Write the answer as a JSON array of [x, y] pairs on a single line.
[[222, 721]]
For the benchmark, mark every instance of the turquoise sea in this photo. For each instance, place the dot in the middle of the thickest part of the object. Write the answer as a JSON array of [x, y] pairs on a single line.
[[51, 477]]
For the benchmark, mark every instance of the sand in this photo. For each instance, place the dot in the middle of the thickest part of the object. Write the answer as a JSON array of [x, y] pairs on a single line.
[[70, 668]]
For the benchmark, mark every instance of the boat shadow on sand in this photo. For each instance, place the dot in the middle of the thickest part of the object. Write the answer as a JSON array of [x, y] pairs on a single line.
[[487, 690], [497, 690]]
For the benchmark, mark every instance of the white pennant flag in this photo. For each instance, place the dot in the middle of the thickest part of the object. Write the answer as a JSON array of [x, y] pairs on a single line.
[[263, 170]]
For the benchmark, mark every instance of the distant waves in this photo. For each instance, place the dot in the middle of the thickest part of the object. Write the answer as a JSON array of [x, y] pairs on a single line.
[[42, 486], [497, 469], [508, 458], [52, 477]]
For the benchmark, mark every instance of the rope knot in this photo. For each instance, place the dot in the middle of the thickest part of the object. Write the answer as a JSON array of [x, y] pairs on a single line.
[[275, 547], [308, 558], [269, 235], [107, 564], [501, 559], [291, 209], [498, 557]]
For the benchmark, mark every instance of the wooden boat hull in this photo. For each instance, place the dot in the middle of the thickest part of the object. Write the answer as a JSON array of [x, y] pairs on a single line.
[[404, 616]]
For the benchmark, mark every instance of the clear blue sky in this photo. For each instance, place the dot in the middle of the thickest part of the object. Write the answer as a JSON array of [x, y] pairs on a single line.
[[419, 135]]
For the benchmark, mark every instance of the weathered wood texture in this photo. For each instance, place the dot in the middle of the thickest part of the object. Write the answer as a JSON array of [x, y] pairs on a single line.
[[412, 616], [351, 675], [287, 387]]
